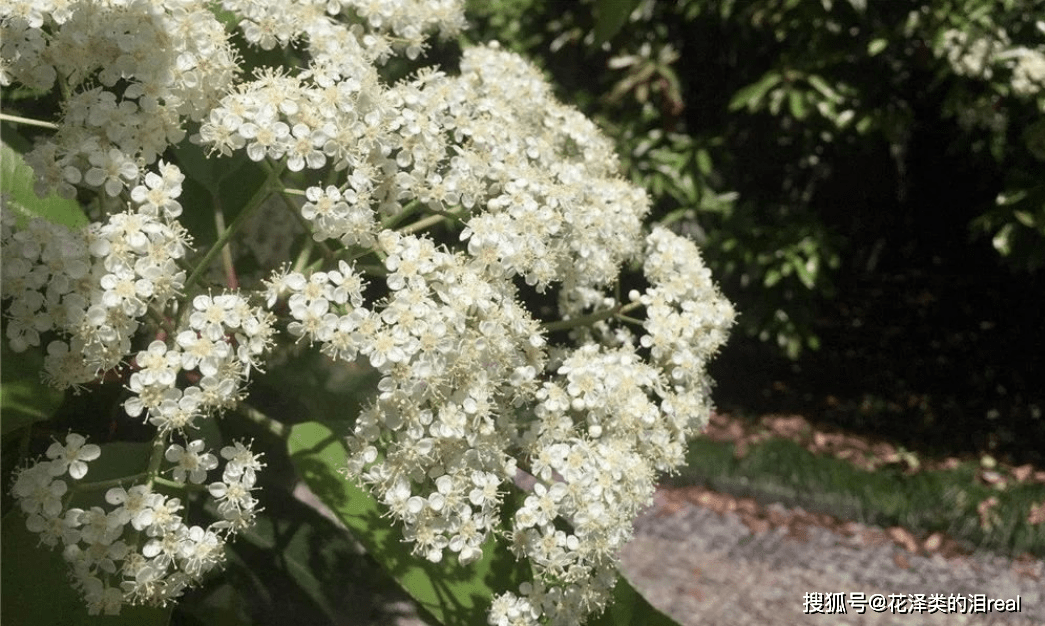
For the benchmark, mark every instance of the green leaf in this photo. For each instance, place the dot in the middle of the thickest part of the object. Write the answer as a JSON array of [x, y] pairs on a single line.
[[207, 171], [751, 95], [797, 104], [821, 85], [24, 398], [120, 459], [36, 586], [629, 608], [16, 180], [704, 162], [453, 594], [1024, 217], [876, 46], [211, 183], [806, 270], [610, 17]]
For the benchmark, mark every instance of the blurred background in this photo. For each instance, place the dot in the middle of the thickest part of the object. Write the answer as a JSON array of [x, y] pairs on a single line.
[[865, 180]]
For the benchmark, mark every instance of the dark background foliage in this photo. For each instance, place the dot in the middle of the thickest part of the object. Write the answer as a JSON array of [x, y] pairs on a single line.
[[875, 214]]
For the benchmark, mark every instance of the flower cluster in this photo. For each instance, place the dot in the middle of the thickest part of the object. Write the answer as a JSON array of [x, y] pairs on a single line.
[[91, 291], [454, 350], [478, 393], [92, 287], [448, 143], [981, 57], [607, 423], [224, 339], [137, 548], [132, 71]]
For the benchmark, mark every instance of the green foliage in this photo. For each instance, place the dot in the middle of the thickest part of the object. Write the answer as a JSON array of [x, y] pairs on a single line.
[[24, 398], [16, 179], [747, 120], [610, 17], [37, 591]]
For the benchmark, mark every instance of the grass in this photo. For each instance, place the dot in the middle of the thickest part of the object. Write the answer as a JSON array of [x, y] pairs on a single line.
[[947, 501]]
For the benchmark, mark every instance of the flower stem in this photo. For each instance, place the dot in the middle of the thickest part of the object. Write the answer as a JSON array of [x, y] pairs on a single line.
[[390, 222], [156, 457], [270, 424], [223, 238], [106, 484], [166, 482], [17, 119], [591, 318], [226, 251], [425, 222]]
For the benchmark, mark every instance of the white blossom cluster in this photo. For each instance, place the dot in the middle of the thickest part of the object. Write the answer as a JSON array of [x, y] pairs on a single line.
[[475, 393], [981, 57], [131, 72], [972, 56], [461, 402], [392, 25], [138, 548], [90, 291], [92, 287], [449, 143], [608, 421], [454, 349], [1028, 70]]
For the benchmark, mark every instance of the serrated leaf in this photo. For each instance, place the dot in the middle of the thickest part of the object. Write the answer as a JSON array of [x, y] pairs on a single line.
[[36, 586], [16, 181], [24, 398]]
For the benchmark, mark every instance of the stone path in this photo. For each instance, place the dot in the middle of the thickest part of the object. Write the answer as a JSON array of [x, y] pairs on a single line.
[[705, 567]]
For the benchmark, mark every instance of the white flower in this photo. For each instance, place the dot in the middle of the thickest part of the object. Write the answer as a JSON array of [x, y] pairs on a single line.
[[112, 169], [242, 464], [73, 456], [200, 550], [37, 490], [158, 195], [190, 462], [159, 366], [134, 506], [213, 315]]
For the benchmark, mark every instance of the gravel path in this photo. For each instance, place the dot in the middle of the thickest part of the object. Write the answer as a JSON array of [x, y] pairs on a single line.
[[704, 567]]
